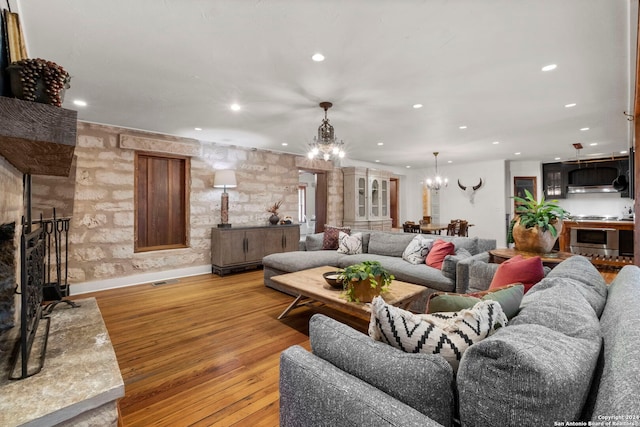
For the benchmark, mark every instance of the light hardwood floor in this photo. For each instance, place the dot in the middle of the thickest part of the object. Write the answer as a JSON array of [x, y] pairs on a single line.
[[204, 351]]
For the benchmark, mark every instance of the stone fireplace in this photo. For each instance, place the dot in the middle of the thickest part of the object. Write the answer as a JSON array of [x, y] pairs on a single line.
[[7, 276]]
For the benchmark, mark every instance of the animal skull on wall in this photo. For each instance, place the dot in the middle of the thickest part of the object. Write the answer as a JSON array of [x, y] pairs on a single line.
[[470, 192]]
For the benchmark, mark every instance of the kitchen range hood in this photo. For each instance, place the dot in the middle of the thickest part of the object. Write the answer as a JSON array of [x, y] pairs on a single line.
[[617, 185], [581, 189]]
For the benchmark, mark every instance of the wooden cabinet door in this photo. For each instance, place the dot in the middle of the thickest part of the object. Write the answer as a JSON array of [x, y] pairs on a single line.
[[291, 238], [254, 246], [273, 240], [232, 247]]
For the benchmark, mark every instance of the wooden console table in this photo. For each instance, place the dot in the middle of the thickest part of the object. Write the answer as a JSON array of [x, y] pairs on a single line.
[[550, 260], [243, 247]]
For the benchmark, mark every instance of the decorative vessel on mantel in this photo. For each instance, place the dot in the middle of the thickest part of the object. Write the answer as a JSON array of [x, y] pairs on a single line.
[[38, 80]]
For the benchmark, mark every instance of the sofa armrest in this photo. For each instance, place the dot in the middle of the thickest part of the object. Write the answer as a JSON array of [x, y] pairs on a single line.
[[313, 392], [462, 271]]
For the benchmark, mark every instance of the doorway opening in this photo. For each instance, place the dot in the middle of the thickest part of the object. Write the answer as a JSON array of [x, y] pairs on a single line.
[[312, 201]]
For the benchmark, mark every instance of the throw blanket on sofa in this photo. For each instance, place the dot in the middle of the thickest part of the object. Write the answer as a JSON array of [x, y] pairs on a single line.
[[447, 334]]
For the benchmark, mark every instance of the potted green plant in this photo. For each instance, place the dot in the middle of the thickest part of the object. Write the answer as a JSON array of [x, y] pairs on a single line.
[[363, 281], [537, 223]]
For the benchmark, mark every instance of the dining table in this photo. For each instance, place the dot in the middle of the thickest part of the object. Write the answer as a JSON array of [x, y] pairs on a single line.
[[435, 228]]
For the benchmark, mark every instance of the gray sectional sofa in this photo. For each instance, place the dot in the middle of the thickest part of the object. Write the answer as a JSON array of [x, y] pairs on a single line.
[[386, 247], [569, 357]]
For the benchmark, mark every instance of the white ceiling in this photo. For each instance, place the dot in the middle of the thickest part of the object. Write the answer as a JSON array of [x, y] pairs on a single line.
[[170, 66]]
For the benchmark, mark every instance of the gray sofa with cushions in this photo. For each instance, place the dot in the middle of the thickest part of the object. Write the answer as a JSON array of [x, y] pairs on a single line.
[[571, 354], [386, 247]]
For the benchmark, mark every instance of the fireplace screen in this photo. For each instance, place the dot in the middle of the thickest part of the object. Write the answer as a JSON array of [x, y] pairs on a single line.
[[41, 271]]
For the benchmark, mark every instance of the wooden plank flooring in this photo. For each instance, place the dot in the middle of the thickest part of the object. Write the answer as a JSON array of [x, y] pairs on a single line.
[[204, 351]]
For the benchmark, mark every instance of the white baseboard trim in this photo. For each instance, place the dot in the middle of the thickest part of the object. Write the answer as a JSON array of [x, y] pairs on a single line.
[[120, 282]]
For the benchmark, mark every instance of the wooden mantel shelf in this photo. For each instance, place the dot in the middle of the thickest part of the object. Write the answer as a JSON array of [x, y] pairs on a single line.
[[37, 139]]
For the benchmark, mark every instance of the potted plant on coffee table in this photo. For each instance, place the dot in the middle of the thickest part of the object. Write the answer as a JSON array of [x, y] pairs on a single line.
[[363, 281], [537, 223]]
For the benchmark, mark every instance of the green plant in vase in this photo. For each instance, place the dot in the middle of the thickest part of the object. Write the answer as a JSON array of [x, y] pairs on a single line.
[[537, 223], [363, 281]]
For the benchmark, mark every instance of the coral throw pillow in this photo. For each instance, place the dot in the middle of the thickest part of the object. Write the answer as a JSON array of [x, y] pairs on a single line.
[[527, 271], [438, 251]]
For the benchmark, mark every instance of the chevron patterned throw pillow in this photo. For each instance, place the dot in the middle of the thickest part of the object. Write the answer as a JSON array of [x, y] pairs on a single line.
[[447, 334]]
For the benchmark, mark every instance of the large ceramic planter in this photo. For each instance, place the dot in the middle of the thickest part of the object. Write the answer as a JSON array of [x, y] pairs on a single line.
[[363, 292], [534, 239]]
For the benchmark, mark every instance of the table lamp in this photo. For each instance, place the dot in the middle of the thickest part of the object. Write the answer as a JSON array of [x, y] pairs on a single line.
[[224, 179]]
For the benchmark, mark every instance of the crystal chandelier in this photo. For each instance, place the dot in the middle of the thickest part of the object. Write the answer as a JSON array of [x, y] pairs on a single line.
[[437, 181], [326, 144]]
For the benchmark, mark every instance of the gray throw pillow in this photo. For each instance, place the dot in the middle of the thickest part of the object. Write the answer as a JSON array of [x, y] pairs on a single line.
[[468, 243], [313, 242], [450, 263]]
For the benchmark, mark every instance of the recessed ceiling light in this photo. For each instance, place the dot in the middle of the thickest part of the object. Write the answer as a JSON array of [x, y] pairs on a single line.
[[377, 161], [80, 102], [583, 129], [573, 104], [517, 154], [284, 144], [408, 167], [318, 57], [556, 158], [593, 144], [496, 142], [449, 161], [462, 127], [197, 128], [235, 107], [549, 67], [623, 152], [416, 106], [380, 143]]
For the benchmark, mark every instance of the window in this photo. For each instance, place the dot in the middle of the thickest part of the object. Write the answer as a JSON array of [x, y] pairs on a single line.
[[161, 198], [302, 203]]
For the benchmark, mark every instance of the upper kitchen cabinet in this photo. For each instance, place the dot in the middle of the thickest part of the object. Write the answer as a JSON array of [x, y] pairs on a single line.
[[609, 175], [553, 181]]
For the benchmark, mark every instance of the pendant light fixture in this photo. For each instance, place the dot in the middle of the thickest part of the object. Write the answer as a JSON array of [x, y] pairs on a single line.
[[325, 144], [437, 181]]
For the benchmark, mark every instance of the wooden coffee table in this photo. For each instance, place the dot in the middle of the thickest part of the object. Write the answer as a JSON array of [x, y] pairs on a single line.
[[310, 286]]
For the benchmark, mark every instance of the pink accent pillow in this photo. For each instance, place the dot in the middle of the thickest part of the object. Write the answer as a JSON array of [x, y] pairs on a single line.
[[438, 251], [527, 271]]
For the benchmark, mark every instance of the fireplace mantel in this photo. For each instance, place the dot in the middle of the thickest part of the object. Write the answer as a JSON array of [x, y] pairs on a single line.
[[37, 139]]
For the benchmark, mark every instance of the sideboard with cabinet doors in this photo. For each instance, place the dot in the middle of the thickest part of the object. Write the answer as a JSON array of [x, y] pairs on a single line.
[[244, 247]]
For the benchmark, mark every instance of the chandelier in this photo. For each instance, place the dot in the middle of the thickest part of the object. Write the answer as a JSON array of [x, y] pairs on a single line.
[[326, 144], [437, 181]]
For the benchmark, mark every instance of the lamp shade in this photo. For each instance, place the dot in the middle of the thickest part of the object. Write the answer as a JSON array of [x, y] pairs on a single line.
[[225, 179]]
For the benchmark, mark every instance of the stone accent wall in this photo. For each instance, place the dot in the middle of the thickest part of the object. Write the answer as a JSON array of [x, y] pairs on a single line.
[[335, 198], [101, 238]]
